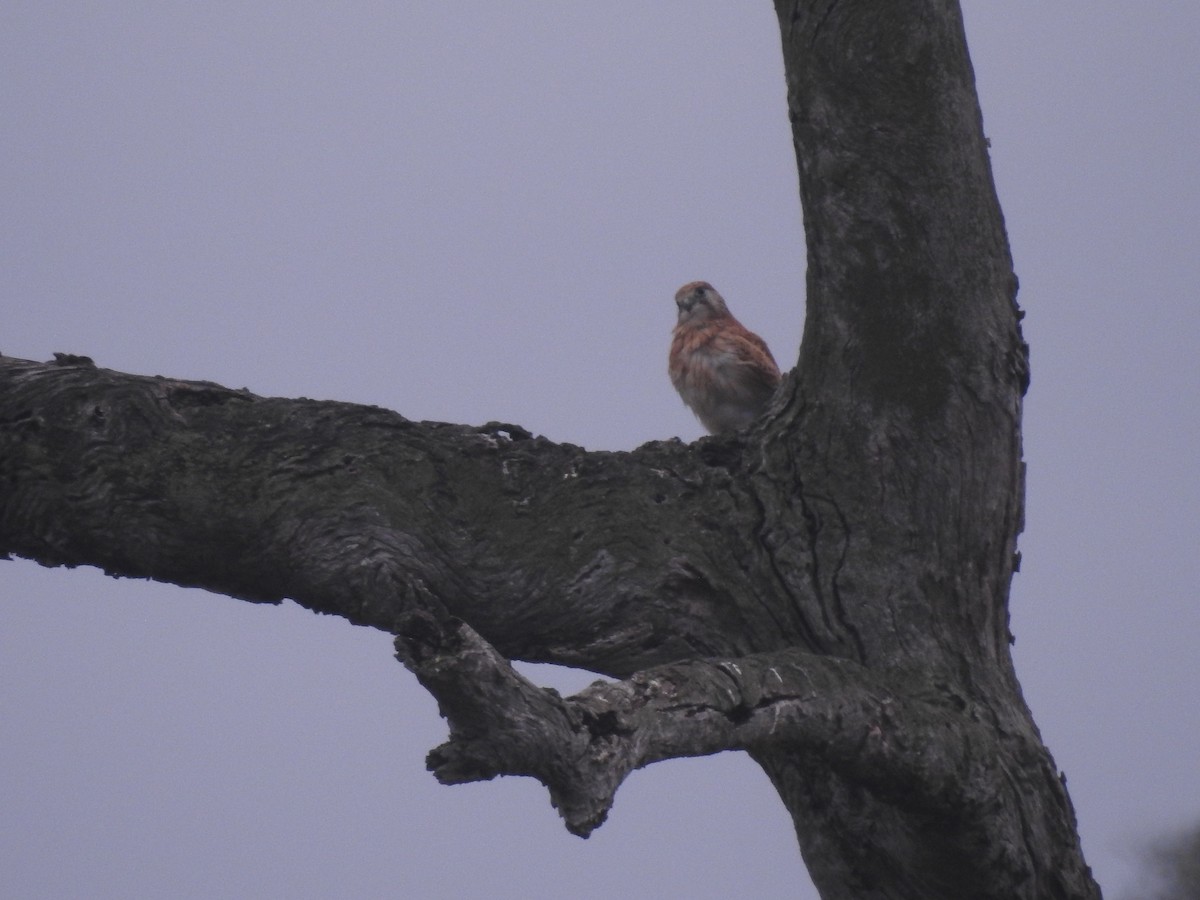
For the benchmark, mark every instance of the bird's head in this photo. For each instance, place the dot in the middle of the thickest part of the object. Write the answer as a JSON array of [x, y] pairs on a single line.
[[699, 300]]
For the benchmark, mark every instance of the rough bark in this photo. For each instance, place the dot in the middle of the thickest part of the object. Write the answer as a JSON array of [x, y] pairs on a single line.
[[827, 591]]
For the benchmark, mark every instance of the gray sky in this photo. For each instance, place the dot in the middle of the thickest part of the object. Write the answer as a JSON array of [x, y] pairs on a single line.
[[481, 211]]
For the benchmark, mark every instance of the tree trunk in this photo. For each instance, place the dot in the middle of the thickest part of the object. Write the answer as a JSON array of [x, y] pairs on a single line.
[[827, 591]]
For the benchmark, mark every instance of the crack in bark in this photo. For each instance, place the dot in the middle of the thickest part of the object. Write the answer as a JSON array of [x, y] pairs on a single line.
[[835, 588], [813, 523]]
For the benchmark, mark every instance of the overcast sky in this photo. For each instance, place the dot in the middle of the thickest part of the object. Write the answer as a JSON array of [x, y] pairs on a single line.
[[479, 211]]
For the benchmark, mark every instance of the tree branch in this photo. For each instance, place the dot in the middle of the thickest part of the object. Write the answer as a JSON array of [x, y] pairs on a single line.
[[916, 754], [612, 561]]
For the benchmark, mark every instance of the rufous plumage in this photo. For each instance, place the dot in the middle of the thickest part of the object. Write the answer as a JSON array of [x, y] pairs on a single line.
[[723, 371]]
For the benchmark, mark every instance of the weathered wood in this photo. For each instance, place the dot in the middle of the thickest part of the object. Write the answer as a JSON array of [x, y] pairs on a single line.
[[828, 592]]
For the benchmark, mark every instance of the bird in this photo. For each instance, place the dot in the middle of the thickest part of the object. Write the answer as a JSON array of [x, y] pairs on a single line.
[[722, 370]]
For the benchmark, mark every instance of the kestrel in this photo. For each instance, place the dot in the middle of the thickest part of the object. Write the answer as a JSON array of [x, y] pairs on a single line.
[[723, 372]]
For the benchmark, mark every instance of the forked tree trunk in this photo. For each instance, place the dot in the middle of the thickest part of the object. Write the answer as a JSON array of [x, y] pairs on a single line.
[[827, 592]]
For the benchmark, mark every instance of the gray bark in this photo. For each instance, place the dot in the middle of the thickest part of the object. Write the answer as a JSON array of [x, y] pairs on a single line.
[[827, 592]]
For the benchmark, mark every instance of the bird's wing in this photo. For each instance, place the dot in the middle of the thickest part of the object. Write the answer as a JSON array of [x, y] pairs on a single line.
[[755, 359]]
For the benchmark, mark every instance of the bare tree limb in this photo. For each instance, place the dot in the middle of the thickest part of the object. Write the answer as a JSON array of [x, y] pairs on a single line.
[[556, 554]]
